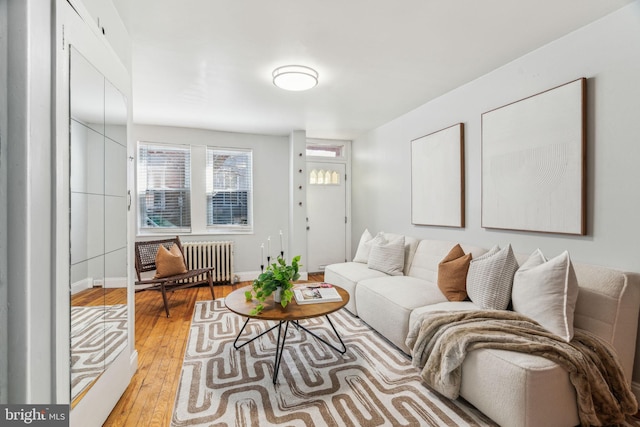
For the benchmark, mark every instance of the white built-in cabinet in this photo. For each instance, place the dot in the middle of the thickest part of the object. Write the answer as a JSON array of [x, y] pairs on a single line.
[[98, 223], [93, 101]]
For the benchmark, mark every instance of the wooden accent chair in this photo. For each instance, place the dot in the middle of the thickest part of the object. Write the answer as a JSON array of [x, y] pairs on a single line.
[[146, 261]]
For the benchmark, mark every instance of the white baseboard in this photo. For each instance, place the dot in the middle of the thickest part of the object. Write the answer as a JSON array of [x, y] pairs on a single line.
[[81, 285], [115, 282], [247, 276], [89, 283]]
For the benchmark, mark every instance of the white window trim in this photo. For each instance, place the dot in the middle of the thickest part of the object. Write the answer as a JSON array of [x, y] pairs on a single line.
[[198, 189]]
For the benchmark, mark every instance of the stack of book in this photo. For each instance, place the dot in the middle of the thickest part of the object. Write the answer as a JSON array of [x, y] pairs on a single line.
[[316, 293]]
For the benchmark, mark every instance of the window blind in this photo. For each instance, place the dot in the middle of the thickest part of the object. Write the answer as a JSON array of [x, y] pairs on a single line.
[[164, 186], [229, 187]]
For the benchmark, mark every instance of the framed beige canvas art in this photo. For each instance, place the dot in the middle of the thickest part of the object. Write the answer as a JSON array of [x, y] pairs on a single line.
[[533, 162], [437, 178]]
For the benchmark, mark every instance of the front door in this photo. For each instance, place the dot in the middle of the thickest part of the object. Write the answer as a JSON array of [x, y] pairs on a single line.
[[326, 215]]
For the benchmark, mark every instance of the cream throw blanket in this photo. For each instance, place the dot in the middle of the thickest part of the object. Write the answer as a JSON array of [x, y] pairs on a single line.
[[440, 340]]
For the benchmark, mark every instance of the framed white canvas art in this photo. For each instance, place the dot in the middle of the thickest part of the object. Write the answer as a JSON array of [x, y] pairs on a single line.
[[533, 162], [437, 178]]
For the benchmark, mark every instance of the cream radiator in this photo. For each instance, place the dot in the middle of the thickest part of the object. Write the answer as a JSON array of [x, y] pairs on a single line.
[[216, 254]]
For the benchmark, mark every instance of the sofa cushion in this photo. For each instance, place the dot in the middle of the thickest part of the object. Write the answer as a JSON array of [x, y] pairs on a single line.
[[490, 278], [452, 274], [386, 304], [547, 291], [388, 256], [347, 275]]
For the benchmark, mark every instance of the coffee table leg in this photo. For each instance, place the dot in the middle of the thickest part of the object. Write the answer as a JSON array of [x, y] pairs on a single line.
[[279, 349], [282, 338], [344, 347], [237, 347]]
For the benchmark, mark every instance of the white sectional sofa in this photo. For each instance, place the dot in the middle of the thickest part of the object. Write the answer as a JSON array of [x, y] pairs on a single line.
[[513, 389]]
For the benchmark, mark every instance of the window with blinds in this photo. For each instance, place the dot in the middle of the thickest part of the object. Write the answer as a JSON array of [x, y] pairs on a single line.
[[229, 188], [164, 187]]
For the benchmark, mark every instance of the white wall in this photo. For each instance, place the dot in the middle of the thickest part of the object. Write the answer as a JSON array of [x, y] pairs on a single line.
[[270, 186], [607, 53]]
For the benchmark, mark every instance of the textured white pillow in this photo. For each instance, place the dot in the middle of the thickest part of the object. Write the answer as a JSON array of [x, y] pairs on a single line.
[[364, 247], [387, 256], [490, 278], [546, 291]]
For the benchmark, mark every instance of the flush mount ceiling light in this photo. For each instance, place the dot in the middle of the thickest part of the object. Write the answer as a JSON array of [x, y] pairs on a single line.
[[295, 77]]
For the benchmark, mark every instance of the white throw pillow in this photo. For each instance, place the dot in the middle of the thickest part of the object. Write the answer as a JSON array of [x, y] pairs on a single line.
[[546, 291], [490, 278], [364, 247], [387, 256]]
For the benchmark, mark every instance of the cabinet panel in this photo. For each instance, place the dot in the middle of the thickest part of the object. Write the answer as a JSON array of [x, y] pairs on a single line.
[[98, 224]]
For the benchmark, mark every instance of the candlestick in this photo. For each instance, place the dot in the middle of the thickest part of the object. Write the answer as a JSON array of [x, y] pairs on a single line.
[[281, 246], [262, 257]]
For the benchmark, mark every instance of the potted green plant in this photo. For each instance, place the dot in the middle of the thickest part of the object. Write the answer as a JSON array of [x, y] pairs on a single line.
[[277, 279]]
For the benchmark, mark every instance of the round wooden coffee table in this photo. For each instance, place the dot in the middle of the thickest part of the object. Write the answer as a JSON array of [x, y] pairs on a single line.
[[293, 312]]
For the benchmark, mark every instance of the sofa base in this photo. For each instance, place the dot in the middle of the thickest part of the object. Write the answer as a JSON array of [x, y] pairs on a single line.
[[519, 390]]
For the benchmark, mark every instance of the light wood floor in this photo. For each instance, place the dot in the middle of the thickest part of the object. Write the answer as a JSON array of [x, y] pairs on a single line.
[[161, 341]]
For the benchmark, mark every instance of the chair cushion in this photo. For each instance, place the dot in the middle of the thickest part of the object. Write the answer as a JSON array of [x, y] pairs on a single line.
[[169, 262], [452, 274]]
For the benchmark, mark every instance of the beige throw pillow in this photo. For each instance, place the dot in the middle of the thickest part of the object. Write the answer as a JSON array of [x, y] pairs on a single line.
[[490, 278], [452, 274], [387, 256], [547, 291], [169, 262], [366, 243]]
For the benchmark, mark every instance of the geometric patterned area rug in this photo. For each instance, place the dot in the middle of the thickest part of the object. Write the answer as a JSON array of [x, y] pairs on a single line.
[[372, 384], [98, 335]]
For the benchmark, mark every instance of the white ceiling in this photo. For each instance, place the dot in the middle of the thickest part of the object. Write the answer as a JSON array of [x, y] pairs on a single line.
[[208, 63]]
